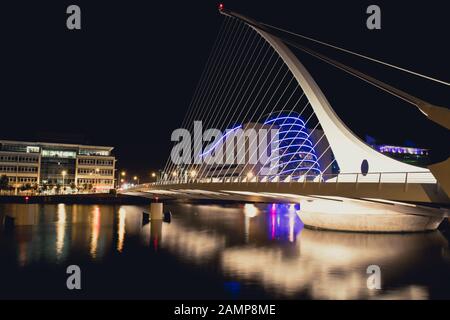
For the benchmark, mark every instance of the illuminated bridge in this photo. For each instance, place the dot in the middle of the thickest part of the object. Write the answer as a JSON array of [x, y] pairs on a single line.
[[253, 81]]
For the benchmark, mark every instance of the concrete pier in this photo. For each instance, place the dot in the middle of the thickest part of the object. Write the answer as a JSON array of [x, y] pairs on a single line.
[[156, 211]]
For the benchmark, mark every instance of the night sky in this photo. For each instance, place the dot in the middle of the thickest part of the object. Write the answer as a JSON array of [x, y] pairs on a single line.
[[127, 77]]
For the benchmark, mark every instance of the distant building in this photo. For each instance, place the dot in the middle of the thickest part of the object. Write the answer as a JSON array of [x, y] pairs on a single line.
[[297, 153], [282, 147], [237, 158], [40, 163], [410, 155]]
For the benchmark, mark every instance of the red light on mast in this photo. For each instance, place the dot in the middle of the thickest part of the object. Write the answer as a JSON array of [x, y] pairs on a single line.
[[221, 7]]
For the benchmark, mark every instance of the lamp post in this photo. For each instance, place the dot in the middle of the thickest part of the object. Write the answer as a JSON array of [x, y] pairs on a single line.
[[193, 174], [121, 178], [175, 175], [63, 173], [136, 178], [97, 171]]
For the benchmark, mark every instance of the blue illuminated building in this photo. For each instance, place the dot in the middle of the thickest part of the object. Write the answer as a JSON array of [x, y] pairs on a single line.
[[296, 152], [414, 156]]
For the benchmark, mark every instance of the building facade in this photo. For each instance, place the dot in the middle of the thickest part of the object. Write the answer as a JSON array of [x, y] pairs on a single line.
[[280, 148], [51, 164], [283, 149], [414, 156], [296, 150], [241, 152]]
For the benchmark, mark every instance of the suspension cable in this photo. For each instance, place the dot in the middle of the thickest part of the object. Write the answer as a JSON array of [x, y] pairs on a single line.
[[359, 55]]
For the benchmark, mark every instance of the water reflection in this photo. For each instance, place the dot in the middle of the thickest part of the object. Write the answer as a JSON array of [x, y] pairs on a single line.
[[60, 229], [184, 241], [242, 246], [250, 211], [155, 233], [121, 229], [23, 215], [332, 265], [95, 227], [292, 217], [283, 223], [50, 232]]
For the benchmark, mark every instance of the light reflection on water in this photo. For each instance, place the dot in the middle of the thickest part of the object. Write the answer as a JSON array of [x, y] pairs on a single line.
[[60, 229], [251, 250]]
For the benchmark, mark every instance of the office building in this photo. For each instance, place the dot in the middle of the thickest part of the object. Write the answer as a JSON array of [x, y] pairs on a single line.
[[54, 164]]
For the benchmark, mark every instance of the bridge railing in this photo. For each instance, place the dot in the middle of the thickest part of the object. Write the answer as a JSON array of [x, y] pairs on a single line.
[[423, 177]]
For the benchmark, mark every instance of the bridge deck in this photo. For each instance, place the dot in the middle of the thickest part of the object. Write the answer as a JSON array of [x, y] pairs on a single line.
[[410, 192]]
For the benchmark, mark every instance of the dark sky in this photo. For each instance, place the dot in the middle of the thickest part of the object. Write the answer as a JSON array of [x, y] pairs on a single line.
[[127, 77]]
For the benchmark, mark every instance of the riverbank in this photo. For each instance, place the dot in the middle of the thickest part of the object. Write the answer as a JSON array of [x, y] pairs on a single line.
[[95, 198]]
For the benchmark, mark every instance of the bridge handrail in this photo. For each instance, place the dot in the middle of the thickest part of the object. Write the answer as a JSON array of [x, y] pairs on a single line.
[[424, 177]]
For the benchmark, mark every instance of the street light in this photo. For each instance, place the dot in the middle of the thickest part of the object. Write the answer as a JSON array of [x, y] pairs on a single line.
[[154, 176], [121, 174], [175, 175], [136, 178], [97, 180], [63, 173]]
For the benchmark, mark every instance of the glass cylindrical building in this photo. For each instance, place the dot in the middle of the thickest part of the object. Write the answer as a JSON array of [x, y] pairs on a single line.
[[295, 155]]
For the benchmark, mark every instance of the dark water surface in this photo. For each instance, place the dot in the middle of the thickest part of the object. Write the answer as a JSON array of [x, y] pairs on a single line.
[[209, 252]]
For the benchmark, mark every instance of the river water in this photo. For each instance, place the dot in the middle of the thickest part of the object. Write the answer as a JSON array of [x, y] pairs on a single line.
[[241, 251]]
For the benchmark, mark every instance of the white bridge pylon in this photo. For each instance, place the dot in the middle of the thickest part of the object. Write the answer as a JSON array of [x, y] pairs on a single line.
[[350, 152]]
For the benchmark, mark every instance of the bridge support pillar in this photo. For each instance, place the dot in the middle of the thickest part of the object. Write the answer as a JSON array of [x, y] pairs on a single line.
[[156, 211]]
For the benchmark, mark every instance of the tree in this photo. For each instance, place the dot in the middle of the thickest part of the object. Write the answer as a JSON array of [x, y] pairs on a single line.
[[25, 187], [4, 182]]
